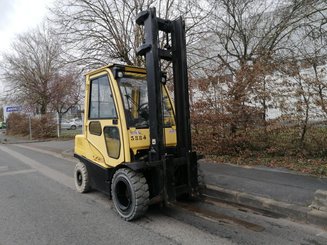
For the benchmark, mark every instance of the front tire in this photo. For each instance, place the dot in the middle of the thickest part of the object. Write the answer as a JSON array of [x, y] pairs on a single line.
[[130, 193], [81, 177]]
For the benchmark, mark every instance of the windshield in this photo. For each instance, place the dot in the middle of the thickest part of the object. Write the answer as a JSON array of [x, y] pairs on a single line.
[[134, 91]]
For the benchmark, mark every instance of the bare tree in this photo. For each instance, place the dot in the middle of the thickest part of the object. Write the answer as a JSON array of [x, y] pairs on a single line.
[[30, 66], [36, 75], [97, 32], [65, 90], [305, 70], [248, 38], [297, 93], [313, 55]]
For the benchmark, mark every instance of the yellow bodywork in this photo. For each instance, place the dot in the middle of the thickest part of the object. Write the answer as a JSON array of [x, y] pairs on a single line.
[[110, 152]]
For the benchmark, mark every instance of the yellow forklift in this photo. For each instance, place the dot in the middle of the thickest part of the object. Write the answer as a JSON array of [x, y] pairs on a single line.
[[136, 142]]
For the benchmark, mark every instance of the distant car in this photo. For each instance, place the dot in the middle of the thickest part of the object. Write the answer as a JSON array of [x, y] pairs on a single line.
[[2, 125], [71, 124], [65, 124], [77, 122]]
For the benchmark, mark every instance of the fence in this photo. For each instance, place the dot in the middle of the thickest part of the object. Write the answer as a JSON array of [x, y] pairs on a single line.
[[41, 126]]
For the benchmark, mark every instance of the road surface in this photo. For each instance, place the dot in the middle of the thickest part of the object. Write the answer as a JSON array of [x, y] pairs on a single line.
[[39, 205]]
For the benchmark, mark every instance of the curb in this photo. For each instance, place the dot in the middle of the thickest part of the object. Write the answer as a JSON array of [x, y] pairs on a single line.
[[292, 211], [5, 142], [264, 168], [320, 200]]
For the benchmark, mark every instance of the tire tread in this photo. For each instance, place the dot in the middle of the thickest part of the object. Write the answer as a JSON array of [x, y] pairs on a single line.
[[141, 190]]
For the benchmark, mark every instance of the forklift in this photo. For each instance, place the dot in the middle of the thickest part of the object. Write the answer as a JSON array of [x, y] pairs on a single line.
[[136, 142]]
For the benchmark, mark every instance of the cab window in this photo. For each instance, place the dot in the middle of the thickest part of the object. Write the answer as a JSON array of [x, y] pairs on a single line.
[[134, 91], [101, 99], [112, 138]]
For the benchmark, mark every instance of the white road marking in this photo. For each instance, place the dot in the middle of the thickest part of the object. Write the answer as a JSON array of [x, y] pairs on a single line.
[[54, 174], [48, 172], [18, 172], [3, 168], [57, 155], [322, 234]]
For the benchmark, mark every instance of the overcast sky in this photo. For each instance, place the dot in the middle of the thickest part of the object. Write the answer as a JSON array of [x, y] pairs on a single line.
[[19, 16]]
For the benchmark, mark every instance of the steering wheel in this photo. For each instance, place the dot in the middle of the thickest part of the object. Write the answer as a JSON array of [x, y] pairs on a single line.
[[143, 111], [142, 107]]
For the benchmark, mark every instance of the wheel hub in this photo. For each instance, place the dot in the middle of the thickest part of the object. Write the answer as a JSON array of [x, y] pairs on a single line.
[[124, 195], [79, 178]]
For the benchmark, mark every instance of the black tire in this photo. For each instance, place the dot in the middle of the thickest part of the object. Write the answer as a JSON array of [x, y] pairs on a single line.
[[81, 177], [73, 127], [130, 194]]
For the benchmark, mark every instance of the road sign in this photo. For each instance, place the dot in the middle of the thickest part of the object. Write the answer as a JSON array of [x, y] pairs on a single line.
[[13, 108], [9, 109]]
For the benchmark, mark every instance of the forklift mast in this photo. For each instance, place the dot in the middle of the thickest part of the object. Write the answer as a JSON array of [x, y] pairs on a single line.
[[184, 158]]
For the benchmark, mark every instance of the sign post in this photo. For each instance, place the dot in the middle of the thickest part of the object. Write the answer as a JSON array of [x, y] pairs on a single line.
[[58, 129], [30, 126]]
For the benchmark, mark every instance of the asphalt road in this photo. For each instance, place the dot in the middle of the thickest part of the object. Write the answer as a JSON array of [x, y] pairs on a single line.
[[38, 205], [281, 185]]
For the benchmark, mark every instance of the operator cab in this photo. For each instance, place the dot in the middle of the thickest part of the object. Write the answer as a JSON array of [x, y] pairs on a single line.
[[117, 118]]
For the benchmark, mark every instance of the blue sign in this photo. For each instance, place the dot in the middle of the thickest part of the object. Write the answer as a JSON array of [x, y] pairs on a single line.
[[13, 108]]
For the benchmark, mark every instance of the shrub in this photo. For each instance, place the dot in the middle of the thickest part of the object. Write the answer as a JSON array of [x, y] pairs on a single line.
[[17, 124], [213, 135], [42, 126]]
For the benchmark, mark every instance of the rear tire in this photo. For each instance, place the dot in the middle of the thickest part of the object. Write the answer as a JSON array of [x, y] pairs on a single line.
[[81, 177], [130, 194]]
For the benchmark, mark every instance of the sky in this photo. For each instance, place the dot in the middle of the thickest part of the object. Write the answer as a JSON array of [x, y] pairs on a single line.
[[18, 16]]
